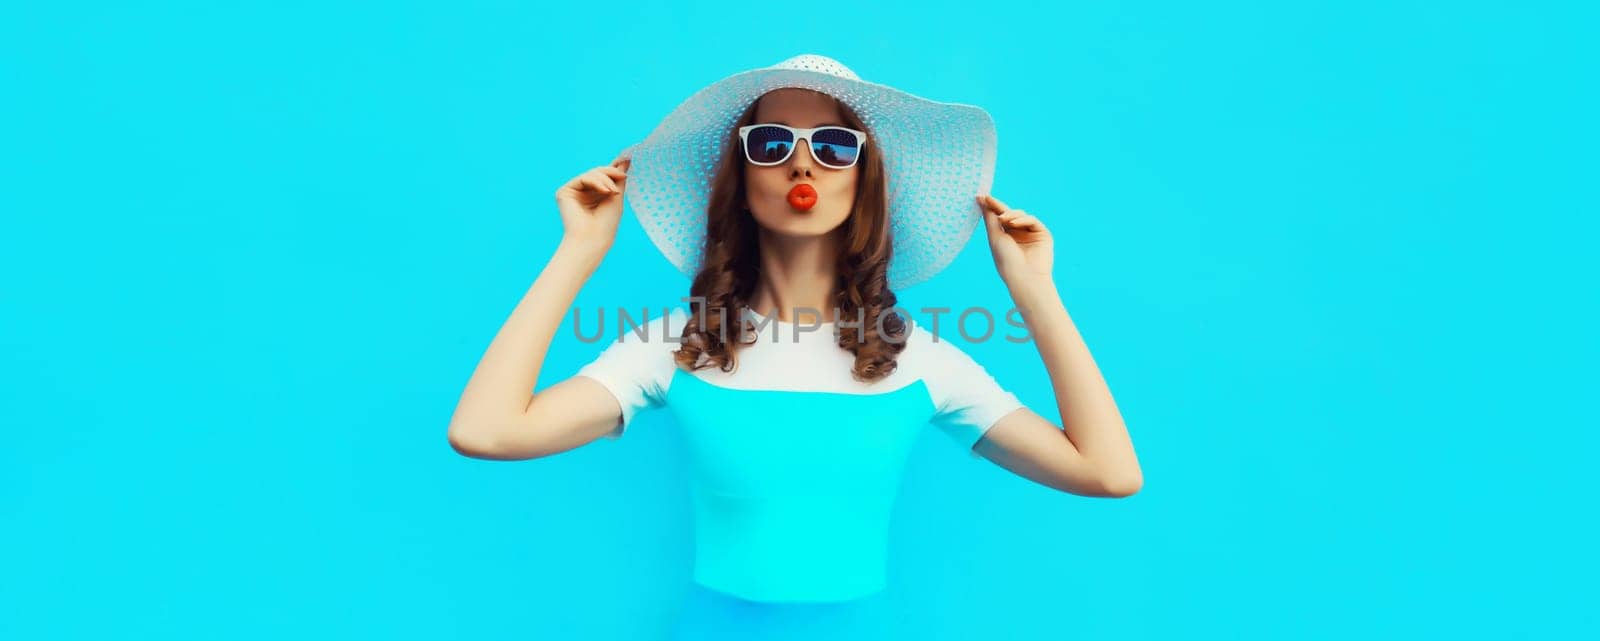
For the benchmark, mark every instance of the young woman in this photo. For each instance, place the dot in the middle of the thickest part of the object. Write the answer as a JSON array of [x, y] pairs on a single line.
[[798, 197]]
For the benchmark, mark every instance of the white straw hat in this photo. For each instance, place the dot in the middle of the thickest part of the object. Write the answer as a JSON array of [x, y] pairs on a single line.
[[937, 157]]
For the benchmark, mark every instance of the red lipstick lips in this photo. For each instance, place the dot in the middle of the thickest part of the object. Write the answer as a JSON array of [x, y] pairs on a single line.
[[802, 197]]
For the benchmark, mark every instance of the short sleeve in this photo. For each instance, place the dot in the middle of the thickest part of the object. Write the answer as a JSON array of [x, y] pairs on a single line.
[[967, 399], [637, 369]]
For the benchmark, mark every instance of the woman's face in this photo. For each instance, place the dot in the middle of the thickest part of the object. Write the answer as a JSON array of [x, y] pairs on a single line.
[[767, 188]]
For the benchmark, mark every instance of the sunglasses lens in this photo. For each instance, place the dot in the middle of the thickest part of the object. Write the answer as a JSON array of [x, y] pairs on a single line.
[[835, 147], [768, 144]]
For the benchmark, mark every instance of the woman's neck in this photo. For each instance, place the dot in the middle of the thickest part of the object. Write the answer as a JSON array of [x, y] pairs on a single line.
[[798, 278]]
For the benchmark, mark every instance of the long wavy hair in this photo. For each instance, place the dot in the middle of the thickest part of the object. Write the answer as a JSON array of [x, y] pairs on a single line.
[[731, 267]]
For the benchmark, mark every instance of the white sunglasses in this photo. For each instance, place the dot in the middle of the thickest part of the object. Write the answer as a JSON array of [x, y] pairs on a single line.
[[771, 144]]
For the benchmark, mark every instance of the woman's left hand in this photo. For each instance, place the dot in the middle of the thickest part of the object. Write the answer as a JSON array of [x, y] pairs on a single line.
[[1023, 248]]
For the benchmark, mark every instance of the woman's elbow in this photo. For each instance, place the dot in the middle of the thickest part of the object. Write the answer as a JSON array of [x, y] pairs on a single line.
[[468, 443], [478, 442], [1123, 486], [518, 443]]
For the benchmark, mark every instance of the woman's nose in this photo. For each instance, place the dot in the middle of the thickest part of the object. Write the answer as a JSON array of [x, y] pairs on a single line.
[[800, 161]]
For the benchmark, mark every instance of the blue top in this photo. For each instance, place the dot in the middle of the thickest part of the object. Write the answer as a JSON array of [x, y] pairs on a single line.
[[795, 465]]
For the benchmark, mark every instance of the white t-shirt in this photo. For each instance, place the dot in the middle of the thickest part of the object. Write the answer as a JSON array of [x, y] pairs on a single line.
[[965, 398], [795, 464]]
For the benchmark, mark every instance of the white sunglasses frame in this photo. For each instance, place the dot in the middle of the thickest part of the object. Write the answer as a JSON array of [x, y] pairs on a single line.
[[799, 133]]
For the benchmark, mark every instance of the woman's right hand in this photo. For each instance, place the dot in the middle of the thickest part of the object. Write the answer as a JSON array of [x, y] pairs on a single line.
[[591, 204]]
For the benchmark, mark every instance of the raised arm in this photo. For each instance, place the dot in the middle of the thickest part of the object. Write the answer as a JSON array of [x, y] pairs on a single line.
[[499, 415], [1092, 454]]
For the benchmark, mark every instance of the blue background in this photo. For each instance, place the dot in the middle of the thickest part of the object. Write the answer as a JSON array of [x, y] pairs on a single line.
[[1329, 256]]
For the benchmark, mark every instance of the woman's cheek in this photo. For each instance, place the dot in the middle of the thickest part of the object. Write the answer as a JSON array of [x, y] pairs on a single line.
[[846, 190]]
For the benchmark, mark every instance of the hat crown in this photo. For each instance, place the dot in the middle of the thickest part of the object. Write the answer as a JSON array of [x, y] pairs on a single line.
[[817, 63]]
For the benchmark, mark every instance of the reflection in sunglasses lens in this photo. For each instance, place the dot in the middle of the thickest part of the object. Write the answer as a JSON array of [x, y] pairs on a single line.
[[835, 147], [769, 144]]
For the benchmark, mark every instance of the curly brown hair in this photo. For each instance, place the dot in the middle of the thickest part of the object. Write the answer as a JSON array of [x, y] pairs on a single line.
[[731, 267]]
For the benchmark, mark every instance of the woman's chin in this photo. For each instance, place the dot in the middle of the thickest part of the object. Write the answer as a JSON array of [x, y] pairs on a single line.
[[803, 224]]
